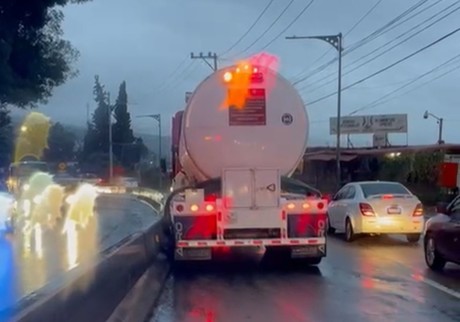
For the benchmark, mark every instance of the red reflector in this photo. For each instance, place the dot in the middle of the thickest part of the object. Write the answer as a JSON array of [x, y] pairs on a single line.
[[220, 243], [182, 244], [295, 241], [179, 208], [276, 242], [257, 242], [239, 243], [283, 215], [210, 198], [202, 243]]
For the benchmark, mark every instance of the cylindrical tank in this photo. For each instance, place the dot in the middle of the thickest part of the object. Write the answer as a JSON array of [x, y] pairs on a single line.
[[270, 130]]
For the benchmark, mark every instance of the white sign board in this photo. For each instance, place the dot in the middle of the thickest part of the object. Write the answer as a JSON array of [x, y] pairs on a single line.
[[187, 96], [379, 140], [391, 123]]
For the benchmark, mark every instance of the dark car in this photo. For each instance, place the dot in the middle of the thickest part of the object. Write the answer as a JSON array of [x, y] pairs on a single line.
[[442, 236]]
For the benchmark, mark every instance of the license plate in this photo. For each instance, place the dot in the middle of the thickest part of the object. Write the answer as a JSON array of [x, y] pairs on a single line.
[[304, 251], [395, 210], [194, 254]]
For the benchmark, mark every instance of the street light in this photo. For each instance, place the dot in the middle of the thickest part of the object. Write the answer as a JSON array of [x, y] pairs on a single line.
[[336, 42], [439, 120], [156, 117]]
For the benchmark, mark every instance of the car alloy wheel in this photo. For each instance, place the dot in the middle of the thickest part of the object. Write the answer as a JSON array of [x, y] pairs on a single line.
[[430, 251]]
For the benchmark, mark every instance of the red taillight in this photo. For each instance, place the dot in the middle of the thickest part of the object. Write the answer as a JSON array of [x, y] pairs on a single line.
[[366, 210], [386, 197], [210, 198], [320, 205], [418, 212]]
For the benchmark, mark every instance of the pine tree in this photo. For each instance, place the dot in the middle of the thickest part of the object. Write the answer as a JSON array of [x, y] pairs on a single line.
[[97, 134], [122, 132], [101, 117]]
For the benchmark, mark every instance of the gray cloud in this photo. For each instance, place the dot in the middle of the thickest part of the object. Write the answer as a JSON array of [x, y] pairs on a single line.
[[143, 41]]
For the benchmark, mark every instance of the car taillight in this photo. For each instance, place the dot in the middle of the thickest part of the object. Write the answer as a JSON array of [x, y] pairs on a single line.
[[418, 212], [366, 210], [386, 197]]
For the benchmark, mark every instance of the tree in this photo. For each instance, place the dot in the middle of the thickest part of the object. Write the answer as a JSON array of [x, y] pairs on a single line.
[[61, 144], [122, 133], [97, 135], [33, 56], [6, 137]]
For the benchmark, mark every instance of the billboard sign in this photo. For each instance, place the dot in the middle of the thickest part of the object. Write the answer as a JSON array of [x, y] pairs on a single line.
[[379, 140], [389, 123]]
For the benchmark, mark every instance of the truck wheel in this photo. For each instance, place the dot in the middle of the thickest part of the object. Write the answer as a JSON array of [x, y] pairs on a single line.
[[312, 261], [277, 254]]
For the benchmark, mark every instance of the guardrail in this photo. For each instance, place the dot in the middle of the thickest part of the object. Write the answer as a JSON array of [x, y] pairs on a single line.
[[108, 281]]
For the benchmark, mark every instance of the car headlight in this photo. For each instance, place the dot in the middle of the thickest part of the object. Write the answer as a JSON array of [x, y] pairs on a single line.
[[26, 187]]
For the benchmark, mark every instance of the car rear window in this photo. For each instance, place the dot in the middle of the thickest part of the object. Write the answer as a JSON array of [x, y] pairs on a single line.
[[370, 189]]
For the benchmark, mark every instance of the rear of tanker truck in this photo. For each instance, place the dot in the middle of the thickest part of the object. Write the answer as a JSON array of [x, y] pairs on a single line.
[[238, 152]]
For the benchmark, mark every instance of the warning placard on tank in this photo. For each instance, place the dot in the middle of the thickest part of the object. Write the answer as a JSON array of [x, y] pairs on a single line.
[[247, 107]]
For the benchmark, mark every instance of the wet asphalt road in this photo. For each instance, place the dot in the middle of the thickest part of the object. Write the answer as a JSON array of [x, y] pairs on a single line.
[[117, 217], [372, 279]]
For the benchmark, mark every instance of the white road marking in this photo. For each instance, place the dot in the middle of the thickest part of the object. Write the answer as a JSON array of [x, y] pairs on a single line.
[[437, 286]]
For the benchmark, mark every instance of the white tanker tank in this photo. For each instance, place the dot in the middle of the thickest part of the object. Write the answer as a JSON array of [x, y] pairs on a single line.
[[268, 128]]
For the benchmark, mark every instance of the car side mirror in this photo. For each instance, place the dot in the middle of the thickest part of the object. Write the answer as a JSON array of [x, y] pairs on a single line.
[[441, 208]]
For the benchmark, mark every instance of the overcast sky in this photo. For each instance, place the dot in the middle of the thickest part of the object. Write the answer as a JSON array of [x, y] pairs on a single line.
[[144, 41]]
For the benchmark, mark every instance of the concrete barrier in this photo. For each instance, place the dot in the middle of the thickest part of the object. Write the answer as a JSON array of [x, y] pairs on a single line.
[[94, 294]]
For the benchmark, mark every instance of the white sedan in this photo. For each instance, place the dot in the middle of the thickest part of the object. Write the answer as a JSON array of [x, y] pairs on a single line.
[[376, 207]]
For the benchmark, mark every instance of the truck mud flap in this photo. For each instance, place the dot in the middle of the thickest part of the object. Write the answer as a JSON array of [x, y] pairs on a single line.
[[307, 251], [193, 254]]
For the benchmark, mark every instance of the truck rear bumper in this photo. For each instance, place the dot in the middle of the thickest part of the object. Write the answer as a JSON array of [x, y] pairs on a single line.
[[251, 242], [296, 248]]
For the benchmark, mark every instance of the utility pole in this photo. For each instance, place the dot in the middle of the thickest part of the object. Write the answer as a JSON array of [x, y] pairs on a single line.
[[87, 113], [205, 58], [439, 120], [336, 42], [157, 117], [109, 109]]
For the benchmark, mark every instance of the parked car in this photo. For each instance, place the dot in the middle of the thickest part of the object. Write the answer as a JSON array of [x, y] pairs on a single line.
[[376, 207], [442, 236]]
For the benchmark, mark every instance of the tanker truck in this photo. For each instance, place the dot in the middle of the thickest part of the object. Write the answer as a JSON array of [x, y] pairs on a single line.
[[241, 136]]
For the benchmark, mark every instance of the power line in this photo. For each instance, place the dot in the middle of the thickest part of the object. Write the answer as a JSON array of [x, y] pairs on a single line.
[[374, 35], [289, 25], [187, 71], [170, 75], [249, 29], [360, 20], [389, 66], [363, 63], [266, 30], [383, 99]]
